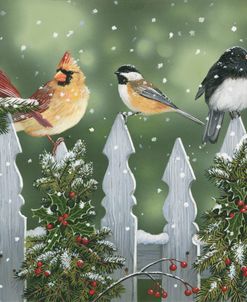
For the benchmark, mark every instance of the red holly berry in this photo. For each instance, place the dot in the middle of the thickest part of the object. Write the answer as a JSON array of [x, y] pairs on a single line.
[[65, 216], [72, 195], [78, 239], [164, 294], [157, 294], [231, 215], [243, 210], [91, 292], [224, 289], [240, 203], [244, 268], [173, 267], [49, 226], [60, 218], [184, 264], [47, 273], [65, 223], [80, 263], [39, 264], [228, 261], [245, 207], [245, 273], [188, 292], [195, 290], [38, 271], [150, 292], [85, 241], [93, 284]]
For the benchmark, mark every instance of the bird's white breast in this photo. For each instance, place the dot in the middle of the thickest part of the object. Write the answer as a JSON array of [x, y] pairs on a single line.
[[123, 92], [231, 95]]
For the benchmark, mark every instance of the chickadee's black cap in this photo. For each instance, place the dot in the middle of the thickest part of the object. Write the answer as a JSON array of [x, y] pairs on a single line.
[[126, 68]]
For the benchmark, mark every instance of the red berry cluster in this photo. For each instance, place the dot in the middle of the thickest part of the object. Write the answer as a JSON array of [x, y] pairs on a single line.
[[63, 219], [242, 208], [38, 270], [157, 293], [173, 267], [163, 294], [92, 291], [82, 240]]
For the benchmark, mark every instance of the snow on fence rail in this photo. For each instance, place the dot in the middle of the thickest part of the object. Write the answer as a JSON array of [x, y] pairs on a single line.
[[137, 246]]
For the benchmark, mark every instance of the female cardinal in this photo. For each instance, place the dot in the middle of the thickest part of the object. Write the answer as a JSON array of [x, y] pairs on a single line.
[[62, 101]]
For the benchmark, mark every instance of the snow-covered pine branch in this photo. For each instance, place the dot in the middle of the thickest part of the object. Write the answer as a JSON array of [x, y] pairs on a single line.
[[13, 105]]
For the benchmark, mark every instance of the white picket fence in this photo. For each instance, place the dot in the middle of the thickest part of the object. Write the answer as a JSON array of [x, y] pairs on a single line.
[[139, 248]]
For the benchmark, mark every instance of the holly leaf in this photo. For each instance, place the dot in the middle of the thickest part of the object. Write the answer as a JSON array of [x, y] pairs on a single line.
[[60, 202], [43, 215], [78, 211]]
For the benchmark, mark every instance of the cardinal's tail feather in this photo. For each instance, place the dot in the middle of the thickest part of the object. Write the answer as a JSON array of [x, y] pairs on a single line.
[[189, 116], [7, 89], [213, 126]]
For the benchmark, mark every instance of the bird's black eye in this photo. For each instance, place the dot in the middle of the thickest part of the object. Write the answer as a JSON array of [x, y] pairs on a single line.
[[69, 76]]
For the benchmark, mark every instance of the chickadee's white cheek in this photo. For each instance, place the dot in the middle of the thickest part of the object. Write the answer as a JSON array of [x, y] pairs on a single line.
[[132, 76]]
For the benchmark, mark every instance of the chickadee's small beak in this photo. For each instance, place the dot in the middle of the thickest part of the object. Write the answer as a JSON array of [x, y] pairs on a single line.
[[117, 72]]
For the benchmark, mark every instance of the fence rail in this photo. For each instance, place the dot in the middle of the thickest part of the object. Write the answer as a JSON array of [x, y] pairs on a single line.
[[138, 247]]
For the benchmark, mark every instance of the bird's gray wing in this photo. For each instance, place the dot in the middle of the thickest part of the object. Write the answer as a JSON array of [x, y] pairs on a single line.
[[148, 91]]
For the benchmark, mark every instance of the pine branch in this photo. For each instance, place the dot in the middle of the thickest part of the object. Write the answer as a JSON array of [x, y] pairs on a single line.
[[11, 105]]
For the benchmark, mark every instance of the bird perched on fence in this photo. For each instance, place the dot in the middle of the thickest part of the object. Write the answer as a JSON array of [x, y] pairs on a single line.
[[141, 96], [62, 101], [225, 89]]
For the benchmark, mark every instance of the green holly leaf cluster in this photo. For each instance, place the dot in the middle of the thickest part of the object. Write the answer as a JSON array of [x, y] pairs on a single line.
[[68, 260], [224, 231]]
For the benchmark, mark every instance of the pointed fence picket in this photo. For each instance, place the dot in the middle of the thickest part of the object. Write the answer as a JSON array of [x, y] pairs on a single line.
[[179, 211], [13, 223]]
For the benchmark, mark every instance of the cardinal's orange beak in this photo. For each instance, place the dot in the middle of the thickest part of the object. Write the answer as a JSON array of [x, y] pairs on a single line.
[[60, 76]]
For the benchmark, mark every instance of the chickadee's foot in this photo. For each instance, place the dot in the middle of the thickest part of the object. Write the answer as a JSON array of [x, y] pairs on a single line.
[[234, 114], [56, 144], [125, 116]]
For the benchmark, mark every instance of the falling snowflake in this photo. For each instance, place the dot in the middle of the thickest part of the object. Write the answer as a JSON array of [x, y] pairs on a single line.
[[234, 28], [95, 11], [160, 65], [23, 47], [114, 27], [55, 35], [153, 20], [70, 33], [201, 19], [164, 80], [171, 35]]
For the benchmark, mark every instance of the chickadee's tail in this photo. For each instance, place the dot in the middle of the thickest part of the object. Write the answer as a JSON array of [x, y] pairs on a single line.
[[212, 129], [191, 117]]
